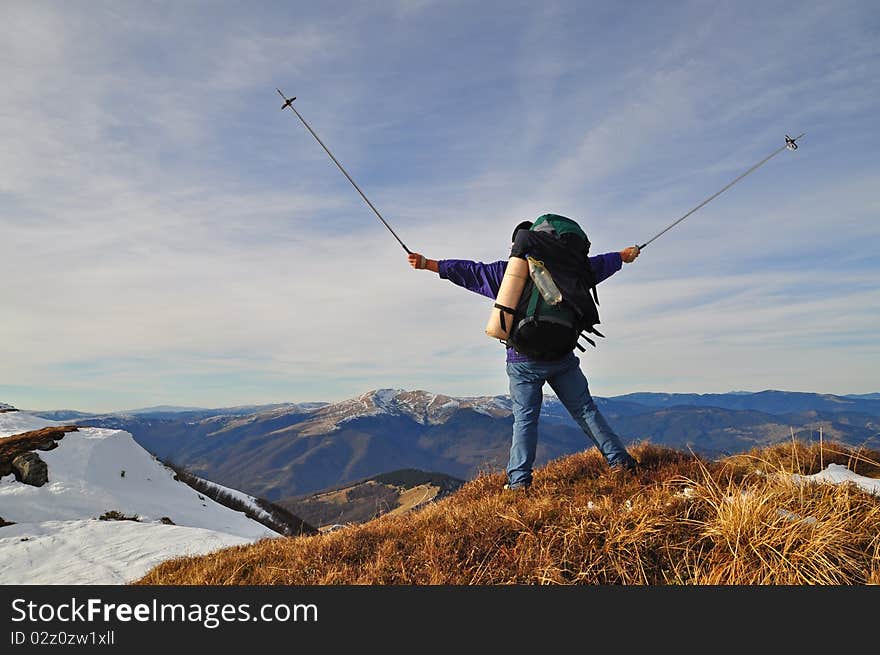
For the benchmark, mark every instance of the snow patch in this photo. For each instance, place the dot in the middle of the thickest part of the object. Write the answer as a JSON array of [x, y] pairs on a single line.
[[354, 417], [249, 501], [797, 518], [98, 552], [386, 398], [838, 474]]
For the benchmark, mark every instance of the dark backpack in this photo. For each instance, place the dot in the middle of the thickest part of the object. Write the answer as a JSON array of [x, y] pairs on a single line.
[[544, 331]]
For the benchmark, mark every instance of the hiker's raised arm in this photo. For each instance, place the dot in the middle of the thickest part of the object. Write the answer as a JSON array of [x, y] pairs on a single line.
[[484, 279], [419, 261]]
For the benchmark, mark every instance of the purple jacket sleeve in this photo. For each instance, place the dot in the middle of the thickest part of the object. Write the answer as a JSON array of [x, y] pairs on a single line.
[[485, 279], [604, 266]]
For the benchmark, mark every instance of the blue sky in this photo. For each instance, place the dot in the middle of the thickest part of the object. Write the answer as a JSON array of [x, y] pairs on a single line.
[[169, 236]]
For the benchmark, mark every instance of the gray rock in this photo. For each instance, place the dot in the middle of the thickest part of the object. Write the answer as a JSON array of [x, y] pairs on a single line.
[[50, 445], [30, 469]]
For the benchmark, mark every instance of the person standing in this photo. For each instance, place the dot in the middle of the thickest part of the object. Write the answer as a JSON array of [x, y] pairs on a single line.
[[528, 376]]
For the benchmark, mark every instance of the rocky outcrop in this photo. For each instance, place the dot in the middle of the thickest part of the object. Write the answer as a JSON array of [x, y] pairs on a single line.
[[11, 448], [30, 469]]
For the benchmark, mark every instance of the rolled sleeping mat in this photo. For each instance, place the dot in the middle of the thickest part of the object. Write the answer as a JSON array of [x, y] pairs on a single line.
[[512, 285]]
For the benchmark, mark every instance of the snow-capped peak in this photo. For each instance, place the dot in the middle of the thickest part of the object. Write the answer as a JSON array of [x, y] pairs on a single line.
[[384, 398], [422, 406]]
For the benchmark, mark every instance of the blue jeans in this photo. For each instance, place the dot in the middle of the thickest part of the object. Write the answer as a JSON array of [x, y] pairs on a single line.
[[526, 393]]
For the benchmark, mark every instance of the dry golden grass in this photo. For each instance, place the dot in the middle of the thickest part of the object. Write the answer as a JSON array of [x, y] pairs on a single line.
[[681, 520], [412, 498]]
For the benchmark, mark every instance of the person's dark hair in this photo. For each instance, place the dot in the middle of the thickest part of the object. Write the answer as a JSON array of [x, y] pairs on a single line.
[[525, 225]]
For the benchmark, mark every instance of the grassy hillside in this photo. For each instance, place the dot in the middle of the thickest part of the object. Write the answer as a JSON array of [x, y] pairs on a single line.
[[394, 492], [681, 520]]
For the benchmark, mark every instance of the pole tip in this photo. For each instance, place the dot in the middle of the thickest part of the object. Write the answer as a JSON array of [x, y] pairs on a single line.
[[287, 101]]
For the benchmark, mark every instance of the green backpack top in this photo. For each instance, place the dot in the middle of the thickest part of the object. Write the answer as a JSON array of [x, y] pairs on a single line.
[[559, 225]]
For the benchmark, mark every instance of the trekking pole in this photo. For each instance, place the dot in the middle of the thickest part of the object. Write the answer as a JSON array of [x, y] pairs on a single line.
[[790, 144], [288, 102]]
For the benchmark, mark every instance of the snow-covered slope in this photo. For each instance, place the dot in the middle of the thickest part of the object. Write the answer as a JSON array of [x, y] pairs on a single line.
[[18, 422], [87, 551], [57, 537], [249, 501]]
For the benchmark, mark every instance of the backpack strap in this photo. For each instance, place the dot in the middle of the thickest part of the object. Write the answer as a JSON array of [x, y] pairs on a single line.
[[534, 308], [585, 337], [582, 335], [501, 316]]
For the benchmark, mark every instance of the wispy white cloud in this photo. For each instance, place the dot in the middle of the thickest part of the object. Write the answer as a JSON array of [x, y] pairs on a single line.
[[164, 223]]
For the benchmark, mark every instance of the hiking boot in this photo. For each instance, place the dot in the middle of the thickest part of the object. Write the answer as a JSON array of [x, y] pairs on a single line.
[[630, 466], [522, 487]]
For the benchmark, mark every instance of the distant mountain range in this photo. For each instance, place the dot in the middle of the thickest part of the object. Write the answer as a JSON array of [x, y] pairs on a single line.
[[771, 402], [291, 450], [168, 411]]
